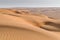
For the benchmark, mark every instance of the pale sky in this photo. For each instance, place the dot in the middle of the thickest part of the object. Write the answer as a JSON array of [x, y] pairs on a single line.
[[29, 3]]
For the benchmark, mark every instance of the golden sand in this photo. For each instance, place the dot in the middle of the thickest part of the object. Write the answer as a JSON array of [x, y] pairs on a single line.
[[23, 25]]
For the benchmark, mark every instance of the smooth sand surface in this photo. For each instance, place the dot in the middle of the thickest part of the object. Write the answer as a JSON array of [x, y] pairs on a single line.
[[21, 34]]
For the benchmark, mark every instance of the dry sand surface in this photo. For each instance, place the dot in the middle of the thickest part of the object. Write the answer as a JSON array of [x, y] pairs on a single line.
[[16, 24]]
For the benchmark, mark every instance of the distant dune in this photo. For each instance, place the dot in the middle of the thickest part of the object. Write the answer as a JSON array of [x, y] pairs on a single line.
[[49, 11]]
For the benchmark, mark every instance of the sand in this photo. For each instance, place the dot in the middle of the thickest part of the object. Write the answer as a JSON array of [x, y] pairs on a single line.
[[25, 26]]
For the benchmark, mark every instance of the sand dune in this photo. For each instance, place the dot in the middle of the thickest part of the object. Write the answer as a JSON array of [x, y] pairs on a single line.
[[37, 26]]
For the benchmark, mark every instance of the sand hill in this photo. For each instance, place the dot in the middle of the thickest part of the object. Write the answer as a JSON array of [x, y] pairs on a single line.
[[35, 26]]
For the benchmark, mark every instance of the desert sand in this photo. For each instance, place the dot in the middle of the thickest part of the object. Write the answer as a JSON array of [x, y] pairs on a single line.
[[24, 25]]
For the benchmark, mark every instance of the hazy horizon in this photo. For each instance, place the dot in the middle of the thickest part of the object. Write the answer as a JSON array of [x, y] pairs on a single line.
[[29, 3]]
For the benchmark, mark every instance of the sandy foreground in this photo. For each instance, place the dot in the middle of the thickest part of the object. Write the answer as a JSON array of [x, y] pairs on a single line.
[[22, 25]]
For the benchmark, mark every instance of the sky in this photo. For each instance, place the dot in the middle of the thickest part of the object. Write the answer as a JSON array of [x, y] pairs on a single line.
[[29, 3]]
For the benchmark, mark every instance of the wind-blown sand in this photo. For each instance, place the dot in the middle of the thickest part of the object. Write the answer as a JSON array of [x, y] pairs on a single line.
[[23, 25]]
